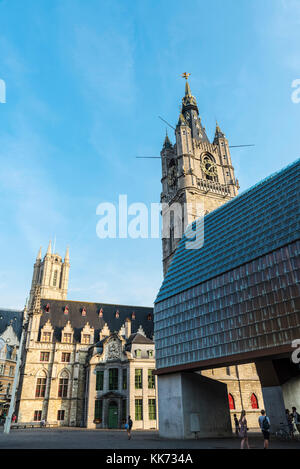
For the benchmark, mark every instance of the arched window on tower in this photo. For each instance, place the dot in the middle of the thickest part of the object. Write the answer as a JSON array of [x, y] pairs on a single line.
[[55, 278], [254, 401], [231, 402]]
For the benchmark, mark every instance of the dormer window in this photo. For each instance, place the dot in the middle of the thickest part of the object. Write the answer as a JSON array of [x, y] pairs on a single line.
[[133, 315], [66, 310], [117, 314], [101, 313], [86, 339], [47, 308], [149, 317], [83, 312], [138, 353], [150, 353], [46, 336], [67, 338]]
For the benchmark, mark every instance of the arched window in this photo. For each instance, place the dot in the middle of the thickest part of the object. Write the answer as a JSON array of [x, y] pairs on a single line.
[[254, 401], [231, 402], [63, 385], [55, 278], [41, 381]]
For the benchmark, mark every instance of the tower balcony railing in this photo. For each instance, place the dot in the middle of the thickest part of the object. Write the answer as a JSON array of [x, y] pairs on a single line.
[[213, 186]]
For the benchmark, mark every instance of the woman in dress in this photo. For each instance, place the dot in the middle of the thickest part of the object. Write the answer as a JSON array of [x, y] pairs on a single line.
[[243, 430]]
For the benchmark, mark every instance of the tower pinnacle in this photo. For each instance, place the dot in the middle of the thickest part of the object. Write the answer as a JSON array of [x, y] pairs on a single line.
[[49, 248]]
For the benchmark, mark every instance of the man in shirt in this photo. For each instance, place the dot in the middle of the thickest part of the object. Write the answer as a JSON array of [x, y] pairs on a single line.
[[264, 423]]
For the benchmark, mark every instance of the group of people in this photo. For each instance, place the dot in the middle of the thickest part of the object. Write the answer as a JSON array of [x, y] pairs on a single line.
[[293, 421], [241, 428]]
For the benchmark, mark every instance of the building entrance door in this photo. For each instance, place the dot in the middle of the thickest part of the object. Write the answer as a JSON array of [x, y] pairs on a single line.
[[113, 415]]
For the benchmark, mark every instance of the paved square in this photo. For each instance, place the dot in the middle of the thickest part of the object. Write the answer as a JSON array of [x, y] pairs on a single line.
[[78, 438]]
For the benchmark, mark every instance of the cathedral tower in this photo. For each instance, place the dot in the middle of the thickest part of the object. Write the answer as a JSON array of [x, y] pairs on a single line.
[[51, 275], [195, 173]]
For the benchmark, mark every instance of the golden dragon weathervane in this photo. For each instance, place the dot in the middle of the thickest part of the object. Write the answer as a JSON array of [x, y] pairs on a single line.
[[185, 75]]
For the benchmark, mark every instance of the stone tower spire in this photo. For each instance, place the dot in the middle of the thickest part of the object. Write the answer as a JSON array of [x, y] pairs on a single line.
[[50, 276], [195, 173]]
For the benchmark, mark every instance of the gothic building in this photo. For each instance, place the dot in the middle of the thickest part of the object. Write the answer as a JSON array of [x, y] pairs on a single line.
[[84, 364], [199, 174], [195, 173], [10, 335]]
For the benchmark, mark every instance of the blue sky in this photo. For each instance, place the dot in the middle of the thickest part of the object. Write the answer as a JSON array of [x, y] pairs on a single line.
[[86, 81]]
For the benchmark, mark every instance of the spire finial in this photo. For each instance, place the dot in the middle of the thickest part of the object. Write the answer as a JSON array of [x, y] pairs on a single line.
[[39, 256], [67, 256], [49, 248], [185, 75]]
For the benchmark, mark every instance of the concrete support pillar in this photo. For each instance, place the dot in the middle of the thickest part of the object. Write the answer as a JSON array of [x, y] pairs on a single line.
[[272, 393], [274, 406], [191, 405]]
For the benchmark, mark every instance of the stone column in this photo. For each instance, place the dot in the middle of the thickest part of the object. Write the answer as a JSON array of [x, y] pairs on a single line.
[[192, 405], [272, 394]]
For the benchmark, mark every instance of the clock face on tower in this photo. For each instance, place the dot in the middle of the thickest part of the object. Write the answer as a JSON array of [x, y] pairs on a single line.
[[208, 166]]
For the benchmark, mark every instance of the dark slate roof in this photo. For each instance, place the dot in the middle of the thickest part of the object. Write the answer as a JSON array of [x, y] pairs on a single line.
[[139, 339], [15, 317], [261, 219], [58, 319]]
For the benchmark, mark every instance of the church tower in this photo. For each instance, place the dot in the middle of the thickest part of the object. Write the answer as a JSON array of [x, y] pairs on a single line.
[[195, 173], [51, 275]]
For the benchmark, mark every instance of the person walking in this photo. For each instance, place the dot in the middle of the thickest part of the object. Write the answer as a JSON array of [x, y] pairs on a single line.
[[243, 430], [296, 418], [289, 419], [264, 423], [129, 427], [237, 426]]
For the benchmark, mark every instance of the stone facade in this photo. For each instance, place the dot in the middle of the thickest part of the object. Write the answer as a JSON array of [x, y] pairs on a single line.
[[51, 274], [10, 333], [197, 175], [196, 171], [119, 384], [67, 343]]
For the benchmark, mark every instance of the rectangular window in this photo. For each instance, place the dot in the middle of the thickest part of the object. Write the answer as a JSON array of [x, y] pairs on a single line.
[[63, 387], [138, 379], [11, 371], [45, 356], [65, 357], [138, 409], [67, 338], [61, 415], [99, 380], [152, 409], [124, 380], [86, 339], [40, 387], [37, 416], [113, 379], [151, 379], [46, 337], [98, 410]]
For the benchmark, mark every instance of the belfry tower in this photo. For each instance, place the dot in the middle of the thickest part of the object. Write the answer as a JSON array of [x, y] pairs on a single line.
[[195, 172], [51, 275]]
